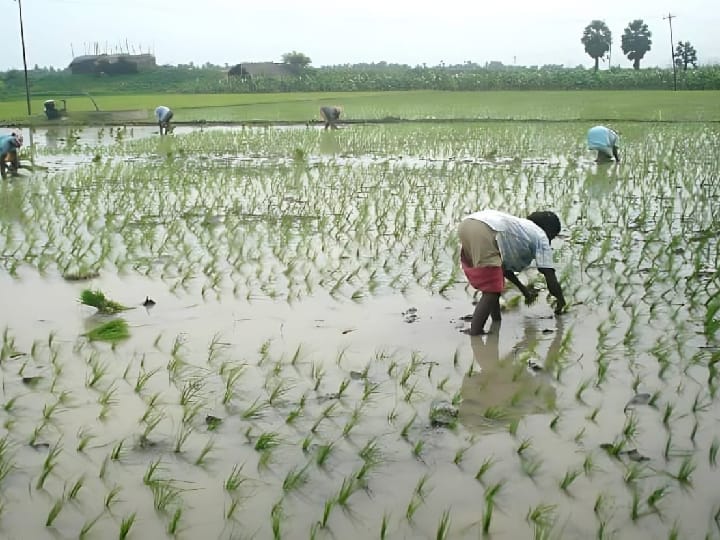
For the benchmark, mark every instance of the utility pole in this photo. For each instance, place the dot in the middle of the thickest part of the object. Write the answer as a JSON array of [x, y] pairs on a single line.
[[669, 18], [22, 40]]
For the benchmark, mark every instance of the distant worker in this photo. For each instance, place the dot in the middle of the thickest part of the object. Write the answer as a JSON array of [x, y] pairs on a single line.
[[605, 141], [330, 116], [9, 146], [495, 245], [164, 115]]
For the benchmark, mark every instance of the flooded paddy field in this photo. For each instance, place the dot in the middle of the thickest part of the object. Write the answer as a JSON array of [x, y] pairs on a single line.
[[295, 367]]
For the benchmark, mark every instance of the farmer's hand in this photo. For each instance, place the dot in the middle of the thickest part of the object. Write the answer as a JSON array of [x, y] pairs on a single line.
[[560, 306], [530, 296]]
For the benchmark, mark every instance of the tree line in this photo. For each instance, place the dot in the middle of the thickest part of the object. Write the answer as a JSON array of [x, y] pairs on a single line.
[[635, 43], [208, 80]]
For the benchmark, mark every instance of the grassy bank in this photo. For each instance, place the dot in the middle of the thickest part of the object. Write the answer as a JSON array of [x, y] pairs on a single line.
[[410, 105]]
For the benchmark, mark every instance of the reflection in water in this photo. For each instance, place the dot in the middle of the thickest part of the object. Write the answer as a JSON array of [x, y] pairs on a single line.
[[52, 136], [600, 181], [12, 195], [506, 389], [329, 144]]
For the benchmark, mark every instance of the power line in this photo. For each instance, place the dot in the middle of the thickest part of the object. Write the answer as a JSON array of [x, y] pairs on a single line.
[[669, 18]]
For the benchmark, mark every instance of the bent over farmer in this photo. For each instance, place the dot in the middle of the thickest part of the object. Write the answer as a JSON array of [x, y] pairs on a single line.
[[9, 146], [330, 116], [496, 245], [164, 115], [605, 141]]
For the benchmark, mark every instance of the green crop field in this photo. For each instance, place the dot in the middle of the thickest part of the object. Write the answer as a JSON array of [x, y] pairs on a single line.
[[359, 106]]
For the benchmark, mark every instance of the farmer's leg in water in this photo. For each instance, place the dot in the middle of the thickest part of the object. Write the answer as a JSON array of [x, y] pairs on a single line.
[[489, 305], [482, 264]]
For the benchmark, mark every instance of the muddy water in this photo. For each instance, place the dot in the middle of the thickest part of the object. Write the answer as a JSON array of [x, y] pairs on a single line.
[[527, 397]]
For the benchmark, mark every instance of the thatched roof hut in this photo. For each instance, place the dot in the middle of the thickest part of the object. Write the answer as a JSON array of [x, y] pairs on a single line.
[[112, 63]]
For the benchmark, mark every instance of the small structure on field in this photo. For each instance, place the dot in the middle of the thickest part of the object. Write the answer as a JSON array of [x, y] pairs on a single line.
[[112, 64], [252, 70]]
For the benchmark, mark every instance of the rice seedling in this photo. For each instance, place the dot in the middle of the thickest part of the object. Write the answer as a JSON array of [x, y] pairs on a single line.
[[117, 450], [49, 464], [75, 488], [684, 474], [384, 526], [631, 425], [655, 497], [713, 452], [205, 452], [352, 421], [327, 510], [267, 441], [143, 377], [111, 497], [406, 428], [125, 525], [235, 479], [443, 529], [184, 431], [255, 409], [542, 515], [569, 478], [54, 511], [417, 449], [348, 487], [460, 455], [524, 445], [323, 453], [412, 507], [484, 468], [98, 371], [165, 494], [294, 479], [582, 387], [174, 523]]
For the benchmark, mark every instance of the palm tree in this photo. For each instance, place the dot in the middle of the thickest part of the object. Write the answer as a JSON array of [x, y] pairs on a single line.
[[596, 39], [685, 54], [636, 41]]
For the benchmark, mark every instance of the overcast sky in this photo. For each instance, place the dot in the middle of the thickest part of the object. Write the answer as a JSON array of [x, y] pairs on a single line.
[[414, 32]]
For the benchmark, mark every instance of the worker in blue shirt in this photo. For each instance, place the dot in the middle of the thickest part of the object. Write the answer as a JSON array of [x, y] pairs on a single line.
[[605, 141]]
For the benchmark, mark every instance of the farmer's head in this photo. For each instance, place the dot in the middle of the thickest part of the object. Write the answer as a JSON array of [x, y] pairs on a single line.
[[547, 221], [17, 138]]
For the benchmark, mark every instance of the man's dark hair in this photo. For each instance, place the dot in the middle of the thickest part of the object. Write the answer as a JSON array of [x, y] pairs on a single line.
[[547, 221]]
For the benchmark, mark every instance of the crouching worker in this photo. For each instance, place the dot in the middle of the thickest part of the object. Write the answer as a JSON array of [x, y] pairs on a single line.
[[495, 245], [330, 116], [9, 146], [164, 115], [605, 141]]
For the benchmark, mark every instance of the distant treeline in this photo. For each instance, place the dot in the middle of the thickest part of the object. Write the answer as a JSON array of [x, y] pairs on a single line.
[[187, 79]]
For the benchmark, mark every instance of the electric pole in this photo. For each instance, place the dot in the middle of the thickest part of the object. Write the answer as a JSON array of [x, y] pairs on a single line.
[[22, 40], [669, 18]]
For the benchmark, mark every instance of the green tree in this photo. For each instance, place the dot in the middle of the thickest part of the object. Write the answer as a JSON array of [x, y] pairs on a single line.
[[685, 55], [297, 60], [636, 41], [596, 39]]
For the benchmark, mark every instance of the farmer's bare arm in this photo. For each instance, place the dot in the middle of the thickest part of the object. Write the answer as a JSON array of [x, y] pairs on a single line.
[[554, 288], [512, 278], [616, 154]]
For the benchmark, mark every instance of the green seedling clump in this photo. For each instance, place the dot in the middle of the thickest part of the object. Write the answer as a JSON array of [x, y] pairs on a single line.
[[98, 300], [115, 330]]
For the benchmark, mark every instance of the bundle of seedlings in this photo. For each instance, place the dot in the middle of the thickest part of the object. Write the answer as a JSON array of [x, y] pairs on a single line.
[[115, 330], [98, 300]]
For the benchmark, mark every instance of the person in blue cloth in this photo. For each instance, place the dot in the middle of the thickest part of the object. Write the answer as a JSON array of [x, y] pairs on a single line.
[[9, 146], [164, 115], [605, 141]]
